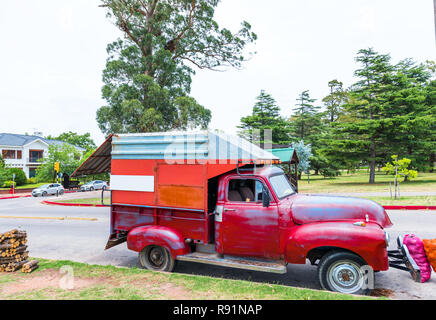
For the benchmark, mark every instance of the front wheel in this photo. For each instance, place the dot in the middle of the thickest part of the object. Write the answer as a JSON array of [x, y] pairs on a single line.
[[343, 272], [157, 258]]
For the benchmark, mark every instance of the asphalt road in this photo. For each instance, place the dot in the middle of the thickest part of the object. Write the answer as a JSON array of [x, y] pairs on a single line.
[[84, 241]]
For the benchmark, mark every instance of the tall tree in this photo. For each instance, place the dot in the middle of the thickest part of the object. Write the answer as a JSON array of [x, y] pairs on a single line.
[[148, 74], [265, 116], [335, 100], [307, 125], [409, 115], [306, 117], [363, 130]]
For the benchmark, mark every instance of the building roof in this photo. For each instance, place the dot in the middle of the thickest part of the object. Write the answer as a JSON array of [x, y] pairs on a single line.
[[286, 155], [19, 140]]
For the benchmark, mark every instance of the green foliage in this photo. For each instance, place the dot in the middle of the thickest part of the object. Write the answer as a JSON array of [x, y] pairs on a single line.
[[335, 101], [304, 153], [389, 110], [400, 169], [147, 79], [9, 183], [265, 116], [67, 156], [20, 176], [31, 181], [84, 141]]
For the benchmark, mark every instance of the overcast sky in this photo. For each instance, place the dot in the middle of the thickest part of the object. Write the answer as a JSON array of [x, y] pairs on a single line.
[[52, 54]]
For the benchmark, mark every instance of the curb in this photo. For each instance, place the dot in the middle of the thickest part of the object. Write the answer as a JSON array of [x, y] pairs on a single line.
[[74, 204], [15, 197], [409, 207], [49, 218]]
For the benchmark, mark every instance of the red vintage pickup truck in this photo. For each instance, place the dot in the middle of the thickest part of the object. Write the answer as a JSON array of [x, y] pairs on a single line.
[[238, 211]]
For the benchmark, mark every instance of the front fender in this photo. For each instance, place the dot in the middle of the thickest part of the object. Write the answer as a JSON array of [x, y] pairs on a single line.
[[141, 237], [368, 242]]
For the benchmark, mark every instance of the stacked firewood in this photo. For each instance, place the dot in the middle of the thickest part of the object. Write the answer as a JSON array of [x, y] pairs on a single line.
[[13, 252]]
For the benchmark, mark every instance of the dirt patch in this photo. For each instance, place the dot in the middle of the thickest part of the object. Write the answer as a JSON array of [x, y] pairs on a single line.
[[48, 279], [382, 292], [167, 290], [174, 292]]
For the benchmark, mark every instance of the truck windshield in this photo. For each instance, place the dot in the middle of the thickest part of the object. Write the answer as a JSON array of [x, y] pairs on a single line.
[[281, 186]]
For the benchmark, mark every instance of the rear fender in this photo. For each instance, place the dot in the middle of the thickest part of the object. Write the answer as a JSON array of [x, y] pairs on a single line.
[[368, 242], [142, 237]]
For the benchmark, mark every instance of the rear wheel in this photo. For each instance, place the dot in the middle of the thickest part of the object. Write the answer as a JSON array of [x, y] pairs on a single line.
[[342, 272], [157, 258], [44, 194]]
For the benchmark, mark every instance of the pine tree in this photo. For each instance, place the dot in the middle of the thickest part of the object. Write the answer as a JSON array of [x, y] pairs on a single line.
[[265, 116]]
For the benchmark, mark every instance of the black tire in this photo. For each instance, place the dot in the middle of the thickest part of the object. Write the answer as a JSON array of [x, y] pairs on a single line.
[[91, 189], [61, 192], [157, 258], [44, 194], [340, 271]]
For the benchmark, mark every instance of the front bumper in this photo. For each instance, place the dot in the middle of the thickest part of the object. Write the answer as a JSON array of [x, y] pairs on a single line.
[[402, 260]]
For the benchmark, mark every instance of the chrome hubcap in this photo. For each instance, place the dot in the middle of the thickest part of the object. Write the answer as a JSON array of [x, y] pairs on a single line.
[[157, 257], [345, 277]]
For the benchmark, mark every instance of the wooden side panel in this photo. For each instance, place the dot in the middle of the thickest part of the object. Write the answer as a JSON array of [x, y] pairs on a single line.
[[181, 197], [181, 185]]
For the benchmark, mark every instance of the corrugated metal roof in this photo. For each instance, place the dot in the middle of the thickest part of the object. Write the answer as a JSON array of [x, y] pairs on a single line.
[[286, 155], [98, 162], [203, 145]]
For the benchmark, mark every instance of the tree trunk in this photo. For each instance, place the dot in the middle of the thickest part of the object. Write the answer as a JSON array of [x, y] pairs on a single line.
[[372, 163]]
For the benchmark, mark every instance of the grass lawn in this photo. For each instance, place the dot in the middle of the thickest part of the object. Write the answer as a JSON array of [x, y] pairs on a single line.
[[417, 201], [358, 182], [87, 201], [93, 282], [28, 186]]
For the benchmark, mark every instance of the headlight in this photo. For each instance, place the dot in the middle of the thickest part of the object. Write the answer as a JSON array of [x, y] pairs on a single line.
[[387, 238]]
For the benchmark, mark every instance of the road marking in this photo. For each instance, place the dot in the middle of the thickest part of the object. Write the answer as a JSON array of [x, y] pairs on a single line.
[[49, 218]]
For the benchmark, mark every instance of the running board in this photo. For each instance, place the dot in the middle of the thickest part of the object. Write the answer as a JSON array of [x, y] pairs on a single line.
[[234, 262]]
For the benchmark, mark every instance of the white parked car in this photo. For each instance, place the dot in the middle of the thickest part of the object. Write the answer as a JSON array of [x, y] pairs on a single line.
[[48, 189], [94, 185]]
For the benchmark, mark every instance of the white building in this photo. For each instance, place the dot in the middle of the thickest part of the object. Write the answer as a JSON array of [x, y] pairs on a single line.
[[25, 152]]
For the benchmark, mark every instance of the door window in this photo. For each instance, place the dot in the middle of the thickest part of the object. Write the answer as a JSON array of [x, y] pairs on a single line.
[[245, 190]]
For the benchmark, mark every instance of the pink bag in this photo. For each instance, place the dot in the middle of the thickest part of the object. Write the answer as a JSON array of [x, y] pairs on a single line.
[[416, 249]]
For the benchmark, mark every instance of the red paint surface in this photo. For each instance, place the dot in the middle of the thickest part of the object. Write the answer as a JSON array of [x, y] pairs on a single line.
[[309, 209], [368, 242], [190, 224], [288, 229], [142, 237]]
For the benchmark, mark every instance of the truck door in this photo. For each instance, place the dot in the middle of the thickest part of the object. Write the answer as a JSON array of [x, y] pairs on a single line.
[[248, 228]]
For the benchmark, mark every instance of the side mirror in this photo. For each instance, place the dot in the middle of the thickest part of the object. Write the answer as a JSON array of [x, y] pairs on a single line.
[[265, 197]]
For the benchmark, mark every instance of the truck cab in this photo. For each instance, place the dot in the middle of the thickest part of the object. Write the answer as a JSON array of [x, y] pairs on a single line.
[[241, 214]]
